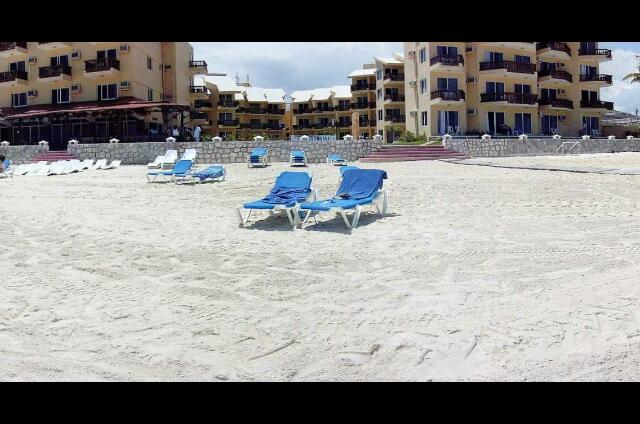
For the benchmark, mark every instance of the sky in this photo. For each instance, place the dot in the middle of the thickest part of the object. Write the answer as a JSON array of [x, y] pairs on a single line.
[[308, 65]]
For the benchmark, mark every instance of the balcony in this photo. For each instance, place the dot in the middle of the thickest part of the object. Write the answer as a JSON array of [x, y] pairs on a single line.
[[362, 87], [344, 124], [101, 68], [197, 67], [447, 96], [598, 80], [392, 98], [321, 109], [394, 119], [203, 105], [509, 69], [14, 79], [555, 103], [367, 123], [361, 105], [199, 91], [447, 63], [199, 116], [301, 111], [250, 126], [252, 110], [553, 50], [276, 127], [596, 104], [598, 55], [393, 78], [302, 127], [343, 107], [228, 123], [275, 111], [525, 99], [223, 104], [53, 45], [555, 76], [13, 49], [54, 73]]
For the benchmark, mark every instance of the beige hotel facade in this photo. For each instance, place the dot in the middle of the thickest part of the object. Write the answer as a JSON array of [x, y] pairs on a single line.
[[534, 88]]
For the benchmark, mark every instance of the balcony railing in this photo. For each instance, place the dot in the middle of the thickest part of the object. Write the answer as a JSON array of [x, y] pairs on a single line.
[[343, 124], [54, 71], [10, 45], [362, 87], [596, 77], [367, 105], [13, 75], [224, 103], [451, 95], [302, 127], [99, 65], [228, 123], [252, 111], [200, 104], [564, 103], [394, 118], [510, 66], [554, 45], [343, 107], [198, 89], [275, 127], [369, 123], [275, 111], [324, 109], [197, 64], [299, 111], [448, 60], [394, 77], [321, 125], [556, 73], [394, 97], [199, 115], [595, 52], [599, 104], [514, 98], [260, 126]]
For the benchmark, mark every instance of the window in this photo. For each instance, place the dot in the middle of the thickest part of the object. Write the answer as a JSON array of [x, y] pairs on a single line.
[[447, 83], [19, 99], [423, 85], [150, 94], [108, 92], [379, 74], [494, 87], [424, 119], [379, 114], [523, 123], [589, 96], [448, 122], [17, 66], [495, 122], [60, 95], [549, 124], [446, 51], [493, 57], [106, 54], [60, 60], [588, 70], [149, 63], [423, 55], [522, 59], [379, 93], [589, 124], [226, 116], [522, 88]]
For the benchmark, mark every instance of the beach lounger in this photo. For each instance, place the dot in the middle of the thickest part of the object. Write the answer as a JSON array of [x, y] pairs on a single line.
[[113, 165], [23, 168], [190, 154], [6, 171], [169, 159], [345, 168], [99, 164], [157, 163], [335, 159], [298, 158], [259, 157], [57, 168], [74, 165], [180, 170], [86, 164], [290, 189], [212, 173], [359, 187], [39, 170]]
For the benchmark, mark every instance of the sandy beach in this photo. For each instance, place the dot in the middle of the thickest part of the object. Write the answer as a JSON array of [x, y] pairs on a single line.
[[476, 273]]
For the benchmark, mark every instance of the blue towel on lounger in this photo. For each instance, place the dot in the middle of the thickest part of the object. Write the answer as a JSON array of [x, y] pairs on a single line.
[[257, 153], [290, 188], [335, 157], [180, 169], [358, 187], [214, 171], [344, 169]]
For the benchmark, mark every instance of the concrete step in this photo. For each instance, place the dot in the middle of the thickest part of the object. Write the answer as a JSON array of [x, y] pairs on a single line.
[[407, 158]]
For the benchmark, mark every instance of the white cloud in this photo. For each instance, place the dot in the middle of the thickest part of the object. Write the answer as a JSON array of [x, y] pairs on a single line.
[[624, 95], [291, 66]]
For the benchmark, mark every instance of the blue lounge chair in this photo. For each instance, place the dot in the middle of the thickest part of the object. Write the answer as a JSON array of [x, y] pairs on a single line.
[[344, 169], [298, 158], [290, 189], [359, 187], [212, 173], [6, 170], [181, 168], [258, 157], [335, 159]]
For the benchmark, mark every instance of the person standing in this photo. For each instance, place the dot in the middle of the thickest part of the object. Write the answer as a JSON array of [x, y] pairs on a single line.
[[196, 133], [176, 133]]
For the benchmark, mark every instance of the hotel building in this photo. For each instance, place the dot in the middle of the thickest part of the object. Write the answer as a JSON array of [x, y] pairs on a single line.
[[323, 111], [242, 111], [390, 97], [93, 91], [538, 88], [363, 101]]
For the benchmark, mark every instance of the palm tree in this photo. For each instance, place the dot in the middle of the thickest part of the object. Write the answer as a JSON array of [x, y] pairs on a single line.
[[633, 76]]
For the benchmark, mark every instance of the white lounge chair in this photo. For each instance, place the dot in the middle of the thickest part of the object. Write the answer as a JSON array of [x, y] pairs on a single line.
[[23, 168], [113, 165], [170, 158], [100, 163], [86, 164], [39, 170], [57, 168], [157, 163], [190, 154]]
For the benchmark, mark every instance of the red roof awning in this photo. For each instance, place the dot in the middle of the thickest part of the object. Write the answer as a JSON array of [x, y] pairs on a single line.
[[124, 103]]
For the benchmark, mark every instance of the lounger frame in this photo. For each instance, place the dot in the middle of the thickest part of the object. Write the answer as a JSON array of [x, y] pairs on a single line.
[[336, 162], [292, 160], [379, 203], [262, 160], [291, 211]]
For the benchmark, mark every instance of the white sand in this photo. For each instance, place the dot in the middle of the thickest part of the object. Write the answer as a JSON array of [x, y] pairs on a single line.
[[477, 273]]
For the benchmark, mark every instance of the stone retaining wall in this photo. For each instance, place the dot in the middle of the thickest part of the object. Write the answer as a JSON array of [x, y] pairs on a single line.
[[225, 151], [22, 154], [497, 147]]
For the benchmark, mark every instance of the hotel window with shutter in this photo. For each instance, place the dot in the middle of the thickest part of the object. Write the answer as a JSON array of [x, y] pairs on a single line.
[[60, 95], [150, 94], [424, 119], [423, 55], [423, 85], [19, 99], [149, 63], [108, 92]]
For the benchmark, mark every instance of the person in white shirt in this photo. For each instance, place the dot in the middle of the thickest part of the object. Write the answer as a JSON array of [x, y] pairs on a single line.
[[175, 131], [196, 133]]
